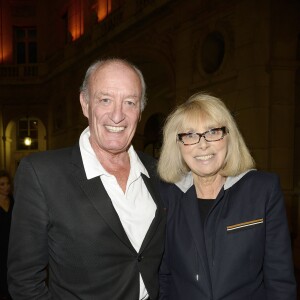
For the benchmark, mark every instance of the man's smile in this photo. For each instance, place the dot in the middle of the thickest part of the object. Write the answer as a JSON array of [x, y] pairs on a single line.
[[115, 128]]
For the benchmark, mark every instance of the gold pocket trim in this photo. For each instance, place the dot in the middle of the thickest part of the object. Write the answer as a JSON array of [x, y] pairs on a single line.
[[245, 224]]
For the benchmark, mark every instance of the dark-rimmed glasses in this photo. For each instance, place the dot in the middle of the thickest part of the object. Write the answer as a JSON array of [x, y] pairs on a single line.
[[212, 135]]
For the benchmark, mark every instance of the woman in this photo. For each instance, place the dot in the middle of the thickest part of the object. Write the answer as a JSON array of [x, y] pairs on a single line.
[[227, 233], [6, 204]]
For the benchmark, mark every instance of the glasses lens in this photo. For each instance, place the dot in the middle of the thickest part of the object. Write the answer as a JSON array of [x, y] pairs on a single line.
[[214, 134], [190, 138]]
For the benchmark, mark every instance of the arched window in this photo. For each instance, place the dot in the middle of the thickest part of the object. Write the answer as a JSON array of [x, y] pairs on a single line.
[[27, 134]]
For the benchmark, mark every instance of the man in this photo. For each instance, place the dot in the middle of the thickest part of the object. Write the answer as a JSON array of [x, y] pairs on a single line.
[[90, 215]]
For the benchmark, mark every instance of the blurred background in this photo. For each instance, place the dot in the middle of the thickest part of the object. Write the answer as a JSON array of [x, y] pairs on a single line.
[[247, 52]]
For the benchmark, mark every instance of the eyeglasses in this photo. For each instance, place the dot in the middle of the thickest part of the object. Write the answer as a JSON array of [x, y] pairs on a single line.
[[212, 135]]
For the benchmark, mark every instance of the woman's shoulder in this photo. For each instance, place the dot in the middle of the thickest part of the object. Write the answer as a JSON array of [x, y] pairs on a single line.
[[261, 176], [258, 180]]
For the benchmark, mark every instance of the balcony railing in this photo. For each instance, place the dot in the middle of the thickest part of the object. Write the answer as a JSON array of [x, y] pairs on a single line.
[[19, 71]]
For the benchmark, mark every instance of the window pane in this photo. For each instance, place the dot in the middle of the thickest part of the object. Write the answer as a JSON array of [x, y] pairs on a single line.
[[23, 134], [20, 33], [33, 124], [32, 52], [23, 124], [21, 54], [34, 134]]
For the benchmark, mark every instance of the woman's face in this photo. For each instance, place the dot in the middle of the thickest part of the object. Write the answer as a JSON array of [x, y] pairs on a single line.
[[205, 159], [4, 186]]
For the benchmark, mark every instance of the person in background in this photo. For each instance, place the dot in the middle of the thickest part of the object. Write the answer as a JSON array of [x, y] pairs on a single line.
[[6, 205], [91, 214], [227, 234]]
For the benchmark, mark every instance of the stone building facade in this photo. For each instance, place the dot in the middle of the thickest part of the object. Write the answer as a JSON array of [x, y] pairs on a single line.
[[246, 52]]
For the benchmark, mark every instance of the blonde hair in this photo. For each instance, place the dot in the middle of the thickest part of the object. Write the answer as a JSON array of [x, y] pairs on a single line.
[[200, 108]]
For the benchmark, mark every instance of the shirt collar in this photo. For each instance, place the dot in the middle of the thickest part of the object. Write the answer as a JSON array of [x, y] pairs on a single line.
[[93, 167]]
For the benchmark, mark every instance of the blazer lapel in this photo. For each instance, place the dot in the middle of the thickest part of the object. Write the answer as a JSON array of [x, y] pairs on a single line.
[[191, 211], [96, 193], [150, 183]]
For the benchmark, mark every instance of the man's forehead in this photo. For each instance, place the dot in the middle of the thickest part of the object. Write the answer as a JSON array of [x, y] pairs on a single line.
[[113, 91]]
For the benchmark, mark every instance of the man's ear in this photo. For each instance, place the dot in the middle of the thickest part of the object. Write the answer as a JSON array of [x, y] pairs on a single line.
[[84, 106]]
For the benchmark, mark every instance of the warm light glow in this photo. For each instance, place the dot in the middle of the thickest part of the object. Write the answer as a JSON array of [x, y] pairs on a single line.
[[27, 141], [5, 33], [76, 22], [5, 53], [104, 9]]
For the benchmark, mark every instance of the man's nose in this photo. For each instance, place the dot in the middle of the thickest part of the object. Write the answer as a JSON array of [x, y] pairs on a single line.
[[117, 114]]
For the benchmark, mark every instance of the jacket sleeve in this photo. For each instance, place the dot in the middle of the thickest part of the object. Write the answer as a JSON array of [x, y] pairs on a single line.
[[279, 276], [28, 246]]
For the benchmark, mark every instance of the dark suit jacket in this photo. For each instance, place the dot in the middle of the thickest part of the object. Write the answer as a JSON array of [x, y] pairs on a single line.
[[242, 252], [66, 222]]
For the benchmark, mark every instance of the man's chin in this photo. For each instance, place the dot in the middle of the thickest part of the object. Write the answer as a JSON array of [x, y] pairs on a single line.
[[117, 148]]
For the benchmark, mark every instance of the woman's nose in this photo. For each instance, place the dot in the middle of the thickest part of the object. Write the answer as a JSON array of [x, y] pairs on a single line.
[[203, 144]]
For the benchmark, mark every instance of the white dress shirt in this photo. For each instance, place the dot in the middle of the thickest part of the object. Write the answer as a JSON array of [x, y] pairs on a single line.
[[135, 208]]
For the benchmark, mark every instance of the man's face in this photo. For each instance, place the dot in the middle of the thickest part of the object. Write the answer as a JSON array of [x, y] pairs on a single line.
[[113, 109]]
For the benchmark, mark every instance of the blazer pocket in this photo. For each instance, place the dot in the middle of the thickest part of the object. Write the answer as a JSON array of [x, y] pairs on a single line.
[[244, 225]]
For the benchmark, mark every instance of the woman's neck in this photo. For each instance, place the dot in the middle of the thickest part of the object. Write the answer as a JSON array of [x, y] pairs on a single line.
[[208, 187]]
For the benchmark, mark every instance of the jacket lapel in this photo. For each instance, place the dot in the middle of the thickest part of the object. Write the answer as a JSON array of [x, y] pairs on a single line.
[[150, 183], [96, 193], [191, 211]]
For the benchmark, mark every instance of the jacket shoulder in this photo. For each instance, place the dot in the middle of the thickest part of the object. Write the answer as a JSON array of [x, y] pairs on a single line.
[[262, 177], [51, 157]]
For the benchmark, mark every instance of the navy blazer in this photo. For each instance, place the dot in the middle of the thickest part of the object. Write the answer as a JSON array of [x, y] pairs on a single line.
[[66, 222], [242, 252]]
